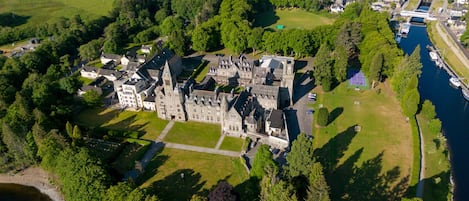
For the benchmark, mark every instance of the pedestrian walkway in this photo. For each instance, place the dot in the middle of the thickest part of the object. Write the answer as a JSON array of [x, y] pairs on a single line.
[[202, 149], [421, 182], [222, 137], [155, 147], [165, 131]]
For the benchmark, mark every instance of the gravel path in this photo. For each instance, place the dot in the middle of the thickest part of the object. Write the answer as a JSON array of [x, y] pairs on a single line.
[[35, 177], [421, 183]]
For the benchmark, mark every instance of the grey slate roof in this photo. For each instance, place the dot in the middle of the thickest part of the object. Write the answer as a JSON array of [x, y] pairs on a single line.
[[111, 56], [276, 119]]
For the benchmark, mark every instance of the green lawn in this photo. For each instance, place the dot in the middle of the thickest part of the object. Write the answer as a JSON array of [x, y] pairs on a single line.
[[437, 163], [290, 18], [40, 11], [86, 81], [232, 143], [146, 122], [201, 172], [383, 143], [194, 133]]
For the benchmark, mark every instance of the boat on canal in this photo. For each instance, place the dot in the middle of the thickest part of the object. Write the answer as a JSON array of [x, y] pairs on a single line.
[[465, 93], [455, 82], [433, 56], [405, 28]]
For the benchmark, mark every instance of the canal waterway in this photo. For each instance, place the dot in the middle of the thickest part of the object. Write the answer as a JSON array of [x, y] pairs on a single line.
[[15, 192], [451, 108]]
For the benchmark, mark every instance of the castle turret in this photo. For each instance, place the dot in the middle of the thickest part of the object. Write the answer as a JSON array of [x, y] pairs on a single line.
[[225, 104], [168, 80]]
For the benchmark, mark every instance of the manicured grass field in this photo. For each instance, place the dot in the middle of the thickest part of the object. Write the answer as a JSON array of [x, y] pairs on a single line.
[[146, 122], [383, 142], [449, 56], [194, 133], [40, 11], [201, 172], [232, 144], [437, 164], [290, 18], [86, 81]]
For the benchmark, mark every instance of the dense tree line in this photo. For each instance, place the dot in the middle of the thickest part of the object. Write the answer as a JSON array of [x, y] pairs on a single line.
[[313, 5]]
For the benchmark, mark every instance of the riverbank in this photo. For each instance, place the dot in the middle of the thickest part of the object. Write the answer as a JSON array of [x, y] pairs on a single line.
[[34, 177], [452, 54]]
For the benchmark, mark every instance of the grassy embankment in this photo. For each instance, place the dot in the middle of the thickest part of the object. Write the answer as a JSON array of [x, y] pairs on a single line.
[[437, 165], [381, 146], [448, 55]]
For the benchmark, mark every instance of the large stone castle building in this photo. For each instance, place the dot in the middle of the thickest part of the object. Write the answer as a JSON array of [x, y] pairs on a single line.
[[255, 112]]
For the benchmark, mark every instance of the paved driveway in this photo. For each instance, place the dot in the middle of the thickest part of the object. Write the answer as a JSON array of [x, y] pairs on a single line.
[[298, 119]]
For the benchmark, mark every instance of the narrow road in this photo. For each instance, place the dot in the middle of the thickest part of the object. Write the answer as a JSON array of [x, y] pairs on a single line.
[[155, 147], [421, 184]]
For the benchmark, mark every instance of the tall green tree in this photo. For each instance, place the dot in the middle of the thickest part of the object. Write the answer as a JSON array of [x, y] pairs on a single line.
[[255, 38], [410, 102], [376, 68], [76, 133], [428, 110], [262, 160], [409, 67], [300, 159], [323, 116], [91, 50], [318, 189], [322, 64], [170, 25], [234, 34], [275, 189], [92, 98], [69, 129], [340, 63], [207, 35]]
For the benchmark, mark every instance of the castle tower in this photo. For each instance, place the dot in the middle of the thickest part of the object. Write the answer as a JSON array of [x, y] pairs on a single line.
[[168, 80], [288, 76]]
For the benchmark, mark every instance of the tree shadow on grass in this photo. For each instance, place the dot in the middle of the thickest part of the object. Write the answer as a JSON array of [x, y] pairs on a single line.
[[368, 183], [335, 113], [177, 187], [266, 19], [127, 124], [93, 118], [340, 176], [10, 19], [436, 187], [331, 152], [249, 190], [152, 168]]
